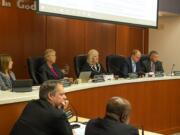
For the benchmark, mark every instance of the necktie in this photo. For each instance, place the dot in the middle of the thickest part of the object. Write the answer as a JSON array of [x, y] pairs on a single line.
[[153, 67]]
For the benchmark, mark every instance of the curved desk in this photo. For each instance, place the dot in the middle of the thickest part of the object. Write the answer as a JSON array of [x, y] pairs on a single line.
[[155, 102]]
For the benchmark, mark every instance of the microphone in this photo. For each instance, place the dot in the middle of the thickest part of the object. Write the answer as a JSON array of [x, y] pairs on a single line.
[[75, 112], [172, 69], [71, 111]]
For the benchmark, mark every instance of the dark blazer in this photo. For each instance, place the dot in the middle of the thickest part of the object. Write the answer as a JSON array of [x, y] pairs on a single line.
[[146, 66], [109, 126], [87, 67], [127, 67], [46, 74], [41, 118]]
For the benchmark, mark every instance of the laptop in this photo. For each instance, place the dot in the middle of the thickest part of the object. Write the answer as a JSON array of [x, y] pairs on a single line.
[[24, 85], [84, 76]]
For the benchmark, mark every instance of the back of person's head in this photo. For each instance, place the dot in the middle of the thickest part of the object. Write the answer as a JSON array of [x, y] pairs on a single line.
[[4, 62], [48, 87], [119, 108], [48, 53], [91, 55]]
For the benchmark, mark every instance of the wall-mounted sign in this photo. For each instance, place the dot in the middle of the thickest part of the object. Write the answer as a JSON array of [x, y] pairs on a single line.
[[21, 4]]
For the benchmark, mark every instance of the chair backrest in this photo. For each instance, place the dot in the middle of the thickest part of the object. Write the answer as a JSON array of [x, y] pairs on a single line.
[[114, 64], [34, 64], [79, 61], [144, 57]]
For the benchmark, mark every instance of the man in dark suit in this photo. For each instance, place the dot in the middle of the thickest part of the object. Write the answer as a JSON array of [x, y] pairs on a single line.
[[115, 122], [132, 64], [45, 116], [152, 64]]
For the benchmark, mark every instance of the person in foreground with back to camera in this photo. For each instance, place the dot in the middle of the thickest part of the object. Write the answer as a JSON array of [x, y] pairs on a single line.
[[152, 64], [6, 75], [45, 116], [49, 70], [132, 64], [115, 122], [93, 64]]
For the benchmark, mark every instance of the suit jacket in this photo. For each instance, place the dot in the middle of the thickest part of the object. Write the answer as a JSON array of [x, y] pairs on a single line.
[[41, 118], [6, 82], [100, 70], [127, 67], [109, 126], [46, 74], [146, 66]]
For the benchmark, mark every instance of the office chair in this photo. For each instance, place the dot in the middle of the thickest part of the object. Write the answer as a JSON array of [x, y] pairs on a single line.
[[79, 61], [34, 64], [114, 64]]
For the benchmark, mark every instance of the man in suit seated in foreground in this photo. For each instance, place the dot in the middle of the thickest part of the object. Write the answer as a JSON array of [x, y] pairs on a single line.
[[152, 63], [45, 116], [132, 64], [115, 121]]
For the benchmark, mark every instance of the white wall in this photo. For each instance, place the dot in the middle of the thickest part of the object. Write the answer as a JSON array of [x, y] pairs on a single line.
[[166, 40]]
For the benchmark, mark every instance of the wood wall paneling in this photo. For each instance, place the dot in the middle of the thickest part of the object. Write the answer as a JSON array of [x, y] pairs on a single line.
[[23, 33], [100, 36], [66, 36], [129, 38]]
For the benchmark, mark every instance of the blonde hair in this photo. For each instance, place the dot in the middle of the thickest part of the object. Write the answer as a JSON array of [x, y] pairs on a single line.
[[91, 54], [135, 52], [47, 53], [4, 62]]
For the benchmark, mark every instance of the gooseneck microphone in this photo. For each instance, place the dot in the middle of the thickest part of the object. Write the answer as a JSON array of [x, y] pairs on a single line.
[[172, 69]]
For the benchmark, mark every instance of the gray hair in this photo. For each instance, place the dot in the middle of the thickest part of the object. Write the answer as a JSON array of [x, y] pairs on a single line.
[[153, 52], [48, 87]]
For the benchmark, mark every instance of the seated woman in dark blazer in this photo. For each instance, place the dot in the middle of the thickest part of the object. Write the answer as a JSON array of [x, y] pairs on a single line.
[[49, 70], [93, 64], [6, 75]]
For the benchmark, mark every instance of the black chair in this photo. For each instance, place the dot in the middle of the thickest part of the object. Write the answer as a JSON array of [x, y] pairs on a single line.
[[33, 66], [79, 61], [144, 57], [114, 64]]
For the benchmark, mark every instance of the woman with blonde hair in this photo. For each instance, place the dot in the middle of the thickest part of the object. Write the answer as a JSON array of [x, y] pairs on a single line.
[[49, 70], [6, 75], [93, 64]]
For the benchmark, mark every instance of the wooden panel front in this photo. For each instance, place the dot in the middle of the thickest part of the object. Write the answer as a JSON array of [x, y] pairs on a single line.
[[8, 116], [155, 105]]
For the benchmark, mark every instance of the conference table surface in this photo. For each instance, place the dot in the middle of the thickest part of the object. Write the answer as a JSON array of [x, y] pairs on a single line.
[[84, 120], [155, 102], [7, 97]]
